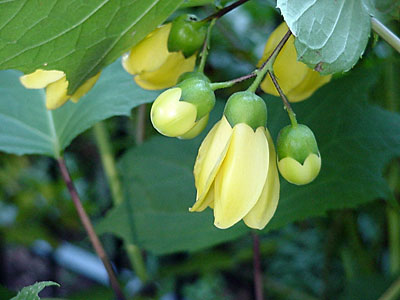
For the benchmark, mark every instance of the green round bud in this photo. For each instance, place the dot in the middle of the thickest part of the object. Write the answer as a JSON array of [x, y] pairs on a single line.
[[299, 161], [297, 142], [187, 35], [196, 89], [193, 74], [246, 107]]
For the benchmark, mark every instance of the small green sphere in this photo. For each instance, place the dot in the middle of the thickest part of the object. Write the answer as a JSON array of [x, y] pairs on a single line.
[[187, 35], [196, 89], [246, 107], [297, 142]]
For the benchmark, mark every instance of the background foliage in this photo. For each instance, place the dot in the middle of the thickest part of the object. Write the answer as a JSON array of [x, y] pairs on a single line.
[[336, 238]]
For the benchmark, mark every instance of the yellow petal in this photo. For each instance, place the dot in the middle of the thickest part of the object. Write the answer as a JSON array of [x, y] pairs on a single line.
[[84, 88], [259, 216], [196, 129], [172, 117], [296, 79], [210, 157], [308, 86], [298, 173], [167, 75], [242, 175], [40, 78], [208, 200], [56, 93], [150, 54]]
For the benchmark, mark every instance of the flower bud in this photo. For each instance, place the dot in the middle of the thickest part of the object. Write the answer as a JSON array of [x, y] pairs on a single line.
[[246, 107], [183, 111], [187, 35], [299, 160]]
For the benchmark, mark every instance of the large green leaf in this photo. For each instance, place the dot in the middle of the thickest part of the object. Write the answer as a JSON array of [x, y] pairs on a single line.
[[159, 187], [31, 292], [330, 35], [356, 140], [77, 37], [27, 127]]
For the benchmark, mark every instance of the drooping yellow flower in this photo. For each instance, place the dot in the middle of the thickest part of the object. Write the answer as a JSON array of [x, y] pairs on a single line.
[[56, 85], [175, 118], [295, 78], [183, 111], [154, 66], [235, 172]]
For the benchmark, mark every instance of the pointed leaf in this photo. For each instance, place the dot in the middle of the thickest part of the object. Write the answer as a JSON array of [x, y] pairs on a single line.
[[77, 37], [31, 292]]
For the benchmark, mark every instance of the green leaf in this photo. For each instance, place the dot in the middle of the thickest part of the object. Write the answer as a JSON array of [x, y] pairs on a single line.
[[159, 187], [27, 127], [330, 35], [79, 38], [31, 292], [355, 139], [190, 3]]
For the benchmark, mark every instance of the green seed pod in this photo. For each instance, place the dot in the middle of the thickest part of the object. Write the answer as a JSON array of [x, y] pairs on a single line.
[[246, 107], [299, 160], [187, 35]]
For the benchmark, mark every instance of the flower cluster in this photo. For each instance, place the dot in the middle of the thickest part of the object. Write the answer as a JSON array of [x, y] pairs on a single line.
[[236, 170]]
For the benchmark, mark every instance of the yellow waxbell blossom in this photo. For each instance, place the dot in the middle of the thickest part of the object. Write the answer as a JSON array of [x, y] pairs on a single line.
[[236, 175], [295, 78], [175, 118], [154, 66], [56, 85], [183, 111]]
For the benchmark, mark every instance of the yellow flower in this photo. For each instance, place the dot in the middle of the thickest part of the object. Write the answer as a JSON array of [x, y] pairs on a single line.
[[56, 85], [236, 174], [175, 118], [154, 66], [296, 79], [183, 111]]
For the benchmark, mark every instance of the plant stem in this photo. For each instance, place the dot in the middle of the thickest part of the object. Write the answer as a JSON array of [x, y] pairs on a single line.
[[258, 284], [288, 107], [393, 292], [110, 169], [89, 229], [141, 124], [224, 11], [206, 45], [226, 84], [107, 159], [386, 34], [393, 222], [267, 65]]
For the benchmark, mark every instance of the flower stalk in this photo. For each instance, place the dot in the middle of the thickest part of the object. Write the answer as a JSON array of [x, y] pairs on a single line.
[[108, 162], [386, 34], [258, 282], [288, 107], [206, 46], [224, 11], [87, 224]]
